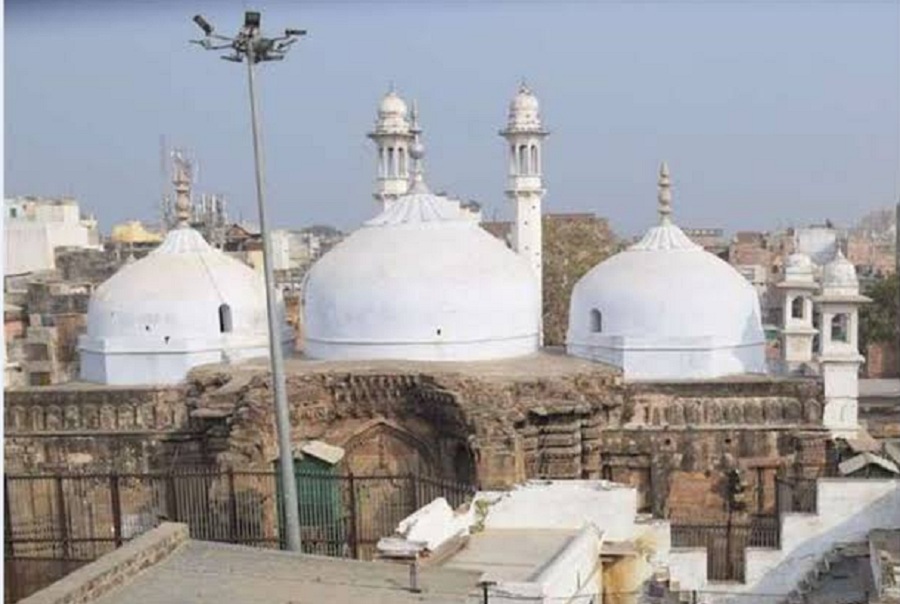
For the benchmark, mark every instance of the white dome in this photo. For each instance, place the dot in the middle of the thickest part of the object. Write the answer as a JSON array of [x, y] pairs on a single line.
[[798, 267], [392, 106], [392, 114], [524, 111], [667, 309], [184, 304], [421, 281], [839, 277]]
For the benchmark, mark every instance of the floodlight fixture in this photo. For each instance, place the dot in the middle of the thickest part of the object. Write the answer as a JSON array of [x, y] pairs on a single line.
[[203, 24], [252, 19]]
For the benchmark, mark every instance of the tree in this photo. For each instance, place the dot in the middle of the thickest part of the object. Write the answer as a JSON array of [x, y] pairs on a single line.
[[573, 244], [878, 319]]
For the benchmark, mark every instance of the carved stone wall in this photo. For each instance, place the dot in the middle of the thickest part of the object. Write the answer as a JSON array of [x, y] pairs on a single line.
[[502, 431], [674, 441], [97, 429]]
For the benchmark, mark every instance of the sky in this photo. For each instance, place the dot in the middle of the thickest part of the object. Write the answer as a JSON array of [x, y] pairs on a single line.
[[769, 113]]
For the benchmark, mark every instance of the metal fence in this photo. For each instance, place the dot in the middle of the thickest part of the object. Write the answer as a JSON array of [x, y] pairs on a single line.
[[796, 495], [55, 523], [726, 542]]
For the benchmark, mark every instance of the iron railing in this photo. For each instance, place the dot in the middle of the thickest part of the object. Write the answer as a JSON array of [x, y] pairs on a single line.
[[57, 522], [796, 495], [726, 543]]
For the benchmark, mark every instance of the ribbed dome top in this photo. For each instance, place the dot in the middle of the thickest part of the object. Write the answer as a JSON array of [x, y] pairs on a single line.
[[417, 207]]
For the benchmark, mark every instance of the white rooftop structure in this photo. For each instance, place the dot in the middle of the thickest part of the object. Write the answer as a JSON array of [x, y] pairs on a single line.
[[185, 304], [34, 227], [541, 541], [420, 281], [667, 309]]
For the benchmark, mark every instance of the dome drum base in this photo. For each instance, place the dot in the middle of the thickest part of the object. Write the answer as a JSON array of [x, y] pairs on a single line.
[[151, 367], [700, 358], [486, 350]]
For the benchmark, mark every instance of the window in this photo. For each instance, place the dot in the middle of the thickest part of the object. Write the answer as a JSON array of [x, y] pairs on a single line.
[[523, 160], [390, 163], [797, 308], [596, 321], [839, 328], [224, 318], [401, 154], [535, 162]]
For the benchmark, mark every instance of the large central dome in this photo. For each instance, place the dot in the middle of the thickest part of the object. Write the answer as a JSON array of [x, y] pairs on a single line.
[[667, 309], [421, 281]]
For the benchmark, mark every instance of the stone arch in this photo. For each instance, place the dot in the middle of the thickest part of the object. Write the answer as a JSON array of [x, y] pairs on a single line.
[[53, 418], [383, 447], [90, 417], [37, 418], [753, 413], [813, 411], [72, 417]]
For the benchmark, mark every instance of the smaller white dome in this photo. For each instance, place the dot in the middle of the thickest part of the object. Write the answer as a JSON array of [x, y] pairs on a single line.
[[798, 267], [667, 309], [392, 106], [183, 305], [839, 277], [393, 115], [524, 110]]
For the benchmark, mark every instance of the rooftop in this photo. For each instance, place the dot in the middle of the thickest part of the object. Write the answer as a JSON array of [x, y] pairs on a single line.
[[510, 554], [164, 566]]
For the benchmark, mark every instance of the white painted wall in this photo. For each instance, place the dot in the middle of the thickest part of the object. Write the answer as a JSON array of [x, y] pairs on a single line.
[[574, 575], [30, 245], [848, 509], [566, 504]]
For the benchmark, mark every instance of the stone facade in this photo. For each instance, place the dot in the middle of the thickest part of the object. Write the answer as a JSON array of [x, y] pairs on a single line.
[[543, 417], [490, 423], [95, 428]]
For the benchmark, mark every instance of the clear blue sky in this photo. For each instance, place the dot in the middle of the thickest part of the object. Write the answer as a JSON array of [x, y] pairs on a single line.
[[769, 113]]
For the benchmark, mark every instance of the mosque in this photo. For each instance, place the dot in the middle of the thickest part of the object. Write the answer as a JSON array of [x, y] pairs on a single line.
[[422, 342]]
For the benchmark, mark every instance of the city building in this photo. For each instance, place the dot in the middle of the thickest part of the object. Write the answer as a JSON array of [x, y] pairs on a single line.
[[34, 227]]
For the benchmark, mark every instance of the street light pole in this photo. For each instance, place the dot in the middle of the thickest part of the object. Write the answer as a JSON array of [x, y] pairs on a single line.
[[251, 45]]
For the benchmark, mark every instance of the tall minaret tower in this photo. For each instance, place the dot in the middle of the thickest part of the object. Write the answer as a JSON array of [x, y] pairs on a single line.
[[838, 354], [393, 137], [797, 330], [525, 188]]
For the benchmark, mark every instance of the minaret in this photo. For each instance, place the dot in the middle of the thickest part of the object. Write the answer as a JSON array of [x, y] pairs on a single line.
[[664, 195], [797, 329], [838, 355], [416, 153], [181, 178], [525, 134], [392, 136]]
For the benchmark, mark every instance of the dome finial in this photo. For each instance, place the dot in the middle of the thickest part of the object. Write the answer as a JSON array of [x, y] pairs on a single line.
[[665, 194], [416, 153], [523, 86]]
